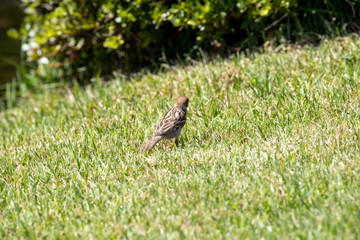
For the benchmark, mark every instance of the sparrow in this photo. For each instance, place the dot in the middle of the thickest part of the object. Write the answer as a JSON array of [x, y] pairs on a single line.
[[171, 124]]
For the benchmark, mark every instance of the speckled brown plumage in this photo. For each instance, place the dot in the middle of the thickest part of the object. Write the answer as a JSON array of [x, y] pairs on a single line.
[[171, 124]]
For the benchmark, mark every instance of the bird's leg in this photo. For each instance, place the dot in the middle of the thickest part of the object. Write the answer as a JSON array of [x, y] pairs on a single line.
[[177, 142]]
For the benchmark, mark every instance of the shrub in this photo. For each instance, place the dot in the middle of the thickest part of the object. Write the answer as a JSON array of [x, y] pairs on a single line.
[[83, 37]]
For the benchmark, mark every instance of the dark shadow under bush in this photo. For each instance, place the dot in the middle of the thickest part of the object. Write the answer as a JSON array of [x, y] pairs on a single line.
[[84, 38]]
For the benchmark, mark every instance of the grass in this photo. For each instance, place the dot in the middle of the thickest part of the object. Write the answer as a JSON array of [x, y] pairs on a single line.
[[270, 150]]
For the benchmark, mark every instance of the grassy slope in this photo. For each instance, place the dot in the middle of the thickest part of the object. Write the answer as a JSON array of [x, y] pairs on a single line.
[[271, 149]]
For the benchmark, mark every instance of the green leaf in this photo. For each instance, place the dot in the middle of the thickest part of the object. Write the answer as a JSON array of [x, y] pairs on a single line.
[[13, 33], [113, 42]]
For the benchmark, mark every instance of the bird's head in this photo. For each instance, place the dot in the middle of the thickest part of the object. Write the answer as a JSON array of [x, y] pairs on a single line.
[[182, 101]]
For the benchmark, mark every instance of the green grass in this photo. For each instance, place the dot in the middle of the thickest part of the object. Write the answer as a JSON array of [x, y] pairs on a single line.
[[271, 149]]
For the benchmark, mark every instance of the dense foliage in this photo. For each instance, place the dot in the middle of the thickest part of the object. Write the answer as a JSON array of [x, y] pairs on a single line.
[[95, 37]]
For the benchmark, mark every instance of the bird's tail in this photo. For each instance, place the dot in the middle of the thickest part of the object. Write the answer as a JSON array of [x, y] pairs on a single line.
[[151, 143]]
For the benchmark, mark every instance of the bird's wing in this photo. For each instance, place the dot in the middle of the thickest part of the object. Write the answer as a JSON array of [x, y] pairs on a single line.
[[172, 121]]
